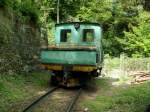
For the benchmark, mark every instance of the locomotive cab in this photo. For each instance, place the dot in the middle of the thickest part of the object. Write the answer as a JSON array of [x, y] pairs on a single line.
[[76, 55]]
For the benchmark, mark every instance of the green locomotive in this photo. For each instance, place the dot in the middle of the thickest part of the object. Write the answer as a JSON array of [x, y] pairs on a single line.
[[77, 54]]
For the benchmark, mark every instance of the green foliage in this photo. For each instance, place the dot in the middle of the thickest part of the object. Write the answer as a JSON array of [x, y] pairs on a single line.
[[29, 9], [136, 42], [4, 3], [116, 18], [90, 11]]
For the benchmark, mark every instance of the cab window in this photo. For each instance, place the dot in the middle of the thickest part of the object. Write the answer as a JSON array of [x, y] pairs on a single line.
[[65, 35], [88, 35]]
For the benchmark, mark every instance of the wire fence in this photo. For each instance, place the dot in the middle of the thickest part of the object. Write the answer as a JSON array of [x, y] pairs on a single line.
[[125, 66]]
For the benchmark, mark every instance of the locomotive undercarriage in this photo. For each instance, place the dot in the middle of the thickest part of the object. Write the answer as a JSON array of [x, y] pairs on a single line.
[[72, 78]]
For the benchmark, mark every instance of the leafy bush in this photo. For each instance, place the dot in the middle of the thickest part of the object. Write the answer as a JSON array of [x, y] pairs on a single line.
[[28, 9], [137, 42], [4, 3]]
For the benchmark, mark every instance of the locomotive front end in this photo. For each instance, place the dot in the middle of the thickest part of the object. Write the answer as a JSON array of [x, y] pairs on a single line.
[[77, 54]]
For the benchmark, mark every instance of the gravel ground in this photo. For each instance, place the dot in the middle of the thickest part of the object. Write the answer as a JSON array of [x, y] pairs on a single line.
[[57, 102]]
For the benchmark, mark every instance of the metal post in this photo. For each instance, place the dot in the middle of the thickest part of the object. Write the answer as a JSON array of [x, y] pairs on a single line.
[[58, 2]]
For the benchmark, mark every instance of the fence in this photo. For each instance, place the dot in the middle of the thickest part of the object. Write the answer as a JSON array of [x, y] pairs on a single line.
[[124, 66]]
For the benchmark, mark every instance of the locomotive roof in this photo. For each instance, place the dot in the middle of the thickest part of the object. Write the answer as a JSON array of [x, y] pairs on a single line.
[[86, 23]]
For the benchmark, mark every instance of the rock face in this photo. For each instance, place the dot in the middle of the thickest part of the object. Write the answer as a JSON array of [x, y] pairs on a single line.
[[19, 43]]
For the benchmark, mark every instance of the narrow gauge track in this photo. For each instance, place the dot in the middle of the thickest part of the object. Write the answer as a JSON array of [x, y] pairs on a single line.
[[72, 103], [69, 106], [28, 109]]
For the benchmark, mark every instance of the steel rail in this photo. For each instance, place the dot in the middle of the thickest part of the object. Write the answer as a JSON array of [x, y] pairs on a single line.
[[39, 99], [72, 103]]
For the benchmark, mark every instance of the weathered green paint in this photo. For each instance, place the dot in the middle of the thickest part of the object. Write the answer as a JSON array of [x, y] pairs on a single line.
[[77, 35], [75, 57], [69, 57]]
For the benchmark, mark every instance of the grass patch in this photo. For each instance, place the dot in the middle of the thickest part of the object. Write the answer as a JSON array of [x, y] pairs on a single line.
[[133, 98], [16, 88]]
